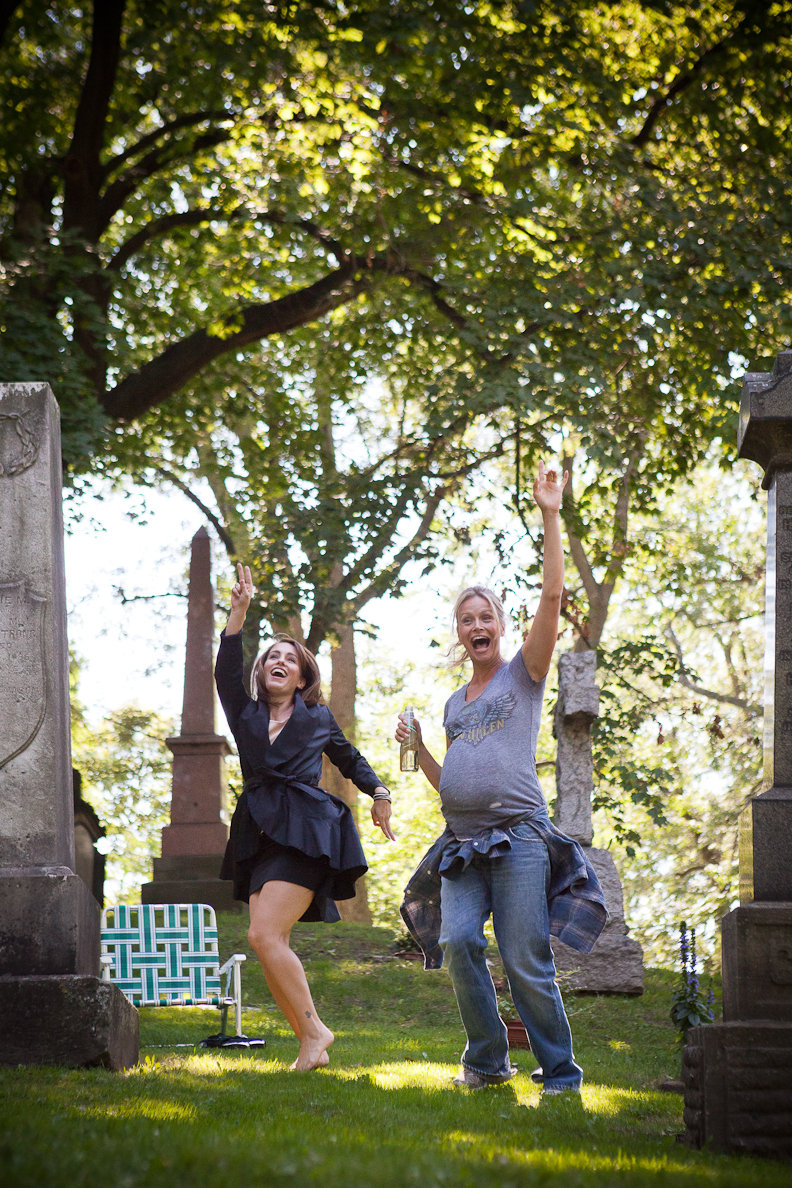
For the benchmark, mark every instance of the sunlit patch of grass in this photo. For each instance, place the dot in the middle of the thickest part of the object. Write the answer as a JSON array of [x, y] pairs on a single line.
[[150, 1108], [609, 1101], [410, 1075]]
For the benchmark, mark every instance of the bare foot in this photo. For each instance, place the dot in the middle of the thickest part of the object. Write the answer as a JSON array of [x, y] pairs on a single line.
[[313, 1051]]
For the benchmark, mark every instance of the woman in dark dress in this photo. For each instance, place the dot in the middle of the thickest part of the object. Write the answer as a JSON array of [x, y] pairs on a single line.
[[293, 848]]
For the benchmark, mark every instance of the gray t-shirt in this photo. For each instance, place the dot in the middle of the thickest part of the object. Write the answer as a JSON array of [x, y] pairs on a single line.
[[489, 771]]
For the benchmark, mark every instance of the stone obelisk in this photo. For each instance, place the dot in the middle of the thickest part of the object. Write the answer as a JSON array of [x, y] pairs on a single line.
[[615, 964], [738, 1073], [54, 1009], [194, 842]]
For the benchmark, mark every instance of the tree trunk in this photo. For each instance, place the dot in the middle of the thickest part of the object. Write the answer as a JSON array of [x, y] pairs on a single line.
[[342, 706]]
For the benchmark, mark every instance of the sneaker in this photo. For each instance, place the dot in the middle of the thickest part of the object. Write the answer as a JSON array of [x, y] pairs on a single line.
[[557, 1090], [468, 1079]]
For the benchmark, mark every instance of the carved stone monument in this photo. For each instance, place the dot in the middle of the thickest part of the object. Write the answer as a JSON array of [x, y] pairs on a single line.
[[615, 965], [738, 1073], [194, 842], [54, 1009]]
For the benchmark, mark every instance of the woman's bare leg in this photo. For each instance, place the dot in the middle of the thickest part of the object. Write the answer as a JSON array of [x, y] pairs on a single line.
[[274, 910]]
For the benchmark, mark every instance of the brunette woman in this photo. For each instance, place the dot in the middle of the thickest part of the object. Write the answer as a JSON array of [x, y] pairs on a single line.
[[293, 848]]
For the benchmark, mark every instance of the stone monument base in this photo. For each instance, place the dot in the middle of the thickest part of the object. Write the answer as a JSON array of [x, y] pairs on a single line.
[[184, 878], [738, 1088], [50, 922], [70, 1019], [757, 962], [615, 964]]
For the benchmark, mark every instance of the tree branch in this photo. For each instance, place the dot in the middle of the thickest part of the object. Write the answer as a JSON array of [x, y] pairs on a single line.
[[450, 483], [699, 690], [118, 191], [180, 362], [460, 321], [308, 225], [218, 526], [163, 153], [82, 169], [755, 12], [578, 553], [375, 550], [395, 566], [157, 227], [194, 218], [472, 193], [188, 120]]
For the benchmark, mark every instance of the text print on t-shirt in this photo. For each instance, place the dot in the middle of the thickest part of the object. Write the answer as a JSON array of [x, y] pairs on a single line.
[[481, 718]]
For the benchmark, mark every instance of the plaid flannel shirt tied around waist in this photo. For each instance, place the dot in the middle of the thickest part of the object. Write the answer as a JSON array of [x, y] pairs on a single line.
[[576, 904]]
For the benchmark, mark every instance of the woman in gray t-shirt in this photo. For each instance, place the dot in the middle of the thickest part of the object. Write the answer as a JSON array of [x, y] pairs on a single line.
[[496, 857]]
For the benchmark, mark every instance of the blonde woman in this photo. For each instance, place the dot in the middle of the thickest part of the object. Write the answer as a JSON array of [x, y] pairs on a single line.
[[500, 856]]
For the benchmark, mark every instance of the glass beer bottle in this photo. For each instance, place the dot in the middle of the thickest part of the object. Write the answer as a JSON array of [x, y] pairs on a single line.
[[408, 754]]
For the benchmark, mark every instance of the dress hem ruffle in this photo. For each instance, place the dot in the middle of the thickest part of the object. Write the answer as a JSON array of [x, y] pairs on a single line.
[[307, 820]]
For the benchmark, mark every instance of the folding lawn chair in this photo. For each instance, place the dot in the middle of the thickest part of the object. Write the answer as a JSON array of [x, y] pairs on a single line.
[[166, 954]]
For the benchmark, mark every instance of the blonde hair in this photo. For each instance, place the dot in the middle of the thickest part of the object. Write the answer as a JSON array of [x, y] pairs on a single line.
[[456, 653], [311, 691]]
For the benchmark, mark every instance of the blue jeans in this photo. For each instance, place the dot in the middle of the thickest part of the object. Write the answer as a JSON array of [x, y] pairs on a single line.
[[513, 889]]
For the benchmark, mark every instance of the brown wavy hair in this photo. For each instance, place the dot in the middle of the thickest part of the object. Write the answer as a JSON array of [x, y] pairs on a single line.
[[311, 692]]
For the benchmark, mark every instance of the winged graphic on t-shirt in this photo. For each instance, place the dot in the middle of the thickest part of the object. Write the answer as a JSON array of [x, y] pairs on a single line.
[[481, 718]]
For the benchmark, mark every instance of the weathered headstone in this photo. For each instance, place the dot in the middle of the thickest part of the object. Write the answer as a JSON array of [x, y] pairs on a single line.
[[194, 842], [89, 863], [53, 1006], [615, 965], [577, 708], [738, 1073]]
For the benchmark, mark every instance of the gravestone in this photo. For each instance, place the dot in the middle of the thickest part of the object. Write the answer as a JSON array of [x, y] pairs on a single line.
[[89, 863], [738, 1074], [615, 964], [54, 1009], [194, 842]]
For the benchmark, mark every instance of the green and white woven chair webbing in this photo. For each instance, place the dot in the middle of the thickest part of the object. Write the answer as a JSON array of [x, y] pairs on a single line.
[[163, 952]]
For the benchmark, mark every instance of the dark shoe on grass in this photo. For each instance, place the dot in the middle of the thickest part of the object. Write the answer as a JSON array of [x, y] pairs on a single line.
[[221, 1040]]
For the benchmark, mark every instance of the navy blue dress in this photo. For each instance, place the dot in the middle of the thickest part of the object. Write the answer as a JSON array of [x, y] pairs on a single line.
[[283, 820]]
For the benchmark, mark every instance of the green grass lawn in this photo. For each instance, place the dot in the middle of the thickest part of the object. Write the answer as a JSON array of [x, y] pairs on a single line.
[[383, 1113]]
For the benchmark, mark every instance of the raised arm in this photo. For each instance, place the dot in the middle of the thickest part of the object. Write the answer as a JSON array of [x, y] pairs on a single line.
[[229, 665], [541, 640], [241, 594]]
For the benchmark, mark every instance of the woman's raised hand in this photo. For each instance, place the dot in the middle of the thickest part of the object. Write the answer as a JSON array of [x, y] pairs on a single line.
[[242, 590], [547, 490]]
